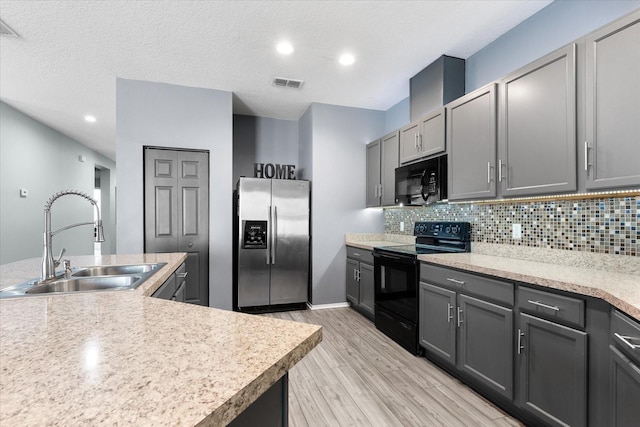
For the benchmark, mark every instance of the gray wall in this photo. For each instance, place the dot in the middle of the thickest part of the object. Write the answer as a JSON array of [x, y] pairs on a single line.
[[397, 116], [338, 139], [552, 27], [40, 159], [182, 117], [262, 140]]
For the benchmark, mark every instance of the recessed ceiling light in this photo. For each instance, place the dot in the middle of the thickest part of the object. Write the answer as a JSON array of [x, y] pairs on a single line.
[[284, 48], [347, 59], [89, 119]]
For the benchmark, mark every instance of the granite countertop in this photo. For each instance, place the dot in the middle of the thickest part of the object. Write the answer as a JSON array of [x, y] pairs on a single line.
[[613, 278], [368, 241], [118, 357], [622, 290]]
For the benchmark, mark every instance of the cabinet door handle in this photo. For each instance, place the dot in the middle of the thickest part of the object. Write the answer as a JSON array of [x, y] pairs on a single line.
[[488, 172], [415, 141], [355, 274], [449, 312], [419, 142], [625, 339], [458, 282], [358, 275], [183, 275], [380, 190], [586, 156], [520, 346], [500, 170], [459, 317], [539, 304]]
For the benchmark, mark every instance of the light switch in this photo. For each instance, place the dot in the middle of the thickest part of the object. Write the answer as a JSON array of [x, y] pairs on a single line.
[[516, 231], [24, 192]]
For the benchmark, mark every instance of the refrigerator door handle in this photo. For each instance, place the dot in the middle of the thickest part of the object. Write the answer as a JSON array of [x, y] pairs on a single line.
[[269, 225], [274, 234]]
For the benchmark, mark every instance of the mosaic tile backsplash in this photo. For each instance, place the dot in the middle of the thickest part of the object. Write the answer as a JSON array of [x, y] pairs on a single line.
[[608, 225]]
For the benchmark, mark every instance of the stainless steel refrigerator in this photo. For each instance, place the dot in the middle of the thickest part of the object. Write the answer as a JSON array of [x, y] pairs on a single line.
[[272, 242]]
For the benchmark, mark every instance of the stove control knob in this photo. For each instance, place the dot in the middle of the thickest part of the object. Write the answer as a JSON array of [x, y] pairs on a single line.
[[448, 230], [455, 229]]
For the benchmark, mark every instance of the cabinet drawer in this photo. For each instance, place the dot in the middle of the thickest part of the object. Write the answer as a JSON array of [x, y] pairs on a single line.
[[552, 306], [625, 333], [360, 254], [468, 283]]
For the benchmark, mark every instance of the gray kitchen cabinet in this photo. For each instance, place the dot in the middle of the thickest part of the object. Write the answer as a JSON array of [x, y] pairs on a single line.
[[373, 173], [552, 370], [465, 323], [472, 142], [537, 130], [612, 146], [382, 161], [624, 364], [388, 163], [360, 281], [174, 287], [424, 137]]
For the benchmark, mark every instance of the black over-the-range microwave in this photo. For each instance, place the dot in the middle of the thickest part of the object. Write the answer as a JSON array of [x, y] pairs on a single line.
[[422, 183]]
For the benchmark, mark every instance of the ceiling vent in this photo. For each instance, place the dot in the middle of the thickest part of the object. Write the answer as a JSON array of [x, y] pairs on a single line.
[[5, 30], [283, 82]]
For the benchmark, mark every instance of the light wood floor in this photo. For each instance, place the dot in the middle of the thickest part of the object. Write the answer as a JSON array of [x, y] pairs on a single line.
[[359, 377]]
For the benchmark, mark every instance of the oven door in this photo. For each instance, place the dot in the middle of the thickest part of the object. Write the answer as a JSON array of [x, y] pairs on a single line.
[[396, 285]]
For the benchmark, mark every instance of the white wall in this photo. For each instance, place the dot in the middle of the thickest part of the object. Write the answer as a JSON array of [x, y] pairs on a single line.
[[339, 138], [166, 115], [43, 161]]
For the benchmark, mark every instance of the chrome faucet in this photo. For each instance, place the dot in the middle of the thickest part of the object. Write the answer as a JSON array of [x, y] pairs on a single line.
[[48, 263]]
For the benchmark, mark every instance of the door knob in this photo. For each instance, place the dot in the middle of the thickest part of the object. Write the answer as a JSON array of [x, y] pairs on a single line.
[[190, 244]]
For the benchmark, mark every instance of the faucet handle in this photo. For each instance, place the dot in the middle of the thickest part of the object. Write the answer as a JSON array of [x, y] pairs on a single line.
[[57, 262], [67, 266]]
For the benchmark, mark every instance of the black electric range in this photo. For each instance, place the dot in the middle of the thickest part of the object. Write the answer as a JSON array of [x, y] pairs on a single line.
[[396, 273]]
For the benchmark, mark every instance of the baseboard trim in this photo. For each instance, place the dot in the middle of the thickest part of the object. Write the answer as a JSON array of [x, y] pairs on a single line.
[[325, 306]]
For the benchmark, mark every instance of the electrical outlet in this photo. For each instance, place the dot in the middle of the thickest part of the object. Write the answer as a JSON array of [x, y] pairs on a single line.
[[24, 192], [516, 231], [401, 225]]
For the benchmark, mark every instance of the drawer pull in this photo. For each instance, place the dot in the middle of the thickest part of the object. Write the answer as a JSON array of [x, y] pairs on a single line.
[[550, 307], [459, 282], [183, 275], [356, 253], [625, 339]]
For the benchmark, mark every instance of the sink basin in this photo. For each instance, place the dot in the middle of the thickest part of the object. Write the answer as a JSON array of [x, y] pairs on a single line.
[[117, 270], [88, 279], [85, 284]]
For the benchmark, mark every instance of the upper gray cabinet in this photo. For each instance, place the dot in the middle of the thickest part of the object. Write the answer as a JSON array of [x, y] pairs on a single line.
[[537, 140], [472, 141], [373, 173], [612, 146], [388, 165], [382, 161], [423, 137]]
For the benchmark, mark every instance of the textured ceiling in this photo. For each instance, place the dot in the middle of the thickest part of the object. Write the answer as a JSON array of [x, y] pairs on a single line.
[[68, 57]]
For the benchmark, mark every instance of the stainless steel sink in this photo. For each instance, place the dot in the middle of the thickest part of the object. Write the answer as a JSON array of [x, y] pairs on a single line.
[[88, 279], [85, 284], [116, 270]]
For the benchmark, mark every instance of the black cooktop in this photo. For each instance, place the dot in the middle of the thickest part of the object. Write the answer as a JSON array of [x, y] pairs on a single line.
[[434, 237]]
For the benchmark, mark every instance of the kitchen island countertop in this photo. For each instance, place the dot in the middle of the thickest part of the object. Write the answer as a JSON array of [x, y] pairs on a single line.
[[118, 357]]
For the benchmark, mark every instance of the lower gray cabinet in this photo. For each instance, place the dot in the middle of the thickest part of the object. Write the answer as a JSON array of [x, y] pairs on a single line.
[[552, 369], [471, 334], [174, 287], [360, 281], [624, 379]]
